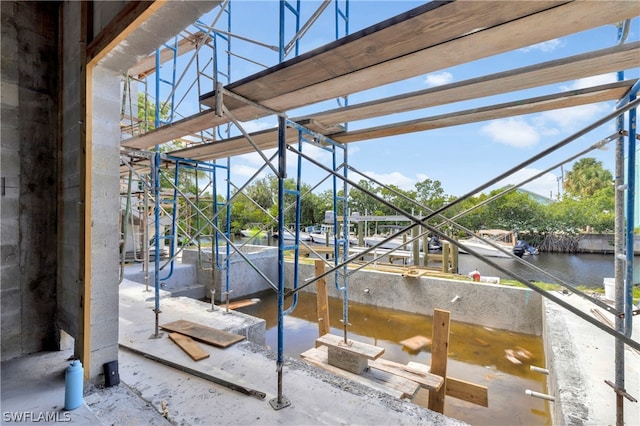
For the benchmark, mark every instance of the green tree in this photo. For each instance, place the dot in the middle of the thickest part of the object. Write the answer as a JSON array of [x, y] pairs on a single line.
[[586, 178], [431, 194]]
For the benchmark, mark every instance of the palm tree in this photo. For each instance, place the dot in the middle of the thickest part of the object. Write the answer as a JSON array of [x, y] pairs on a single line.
[[587, 177]]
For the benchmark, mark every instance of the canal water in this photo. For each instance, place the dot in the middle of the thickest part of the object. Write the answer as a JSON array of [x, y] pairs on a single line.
[[576, 269], [476, 354]]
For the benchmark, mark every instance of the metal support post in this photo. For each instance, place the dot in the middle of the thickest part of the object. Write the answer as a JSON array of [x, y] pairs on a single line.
[[281, 401]]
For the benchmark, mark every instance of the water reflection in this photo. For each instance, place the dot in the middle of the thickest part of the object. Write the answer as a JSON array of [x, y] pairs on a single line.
[[576, 269], [476, 354]]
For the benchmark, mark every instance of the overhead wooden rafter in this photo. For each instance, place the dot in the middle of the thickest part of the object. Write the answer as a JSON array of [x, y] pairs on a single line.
[[431, 37], [607, 92], [267, 139]]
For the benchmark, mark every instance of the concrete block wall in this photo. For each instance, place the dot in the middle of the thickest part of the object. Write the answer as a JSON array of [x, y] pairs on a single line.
[[29, 76], [68, 285], [491, 305]]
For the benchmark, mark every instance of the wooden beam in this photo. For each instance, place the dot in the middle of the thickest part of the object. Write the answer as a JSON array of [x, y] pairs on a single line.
[[613, 91], [612, 59], [439, 355], [460, 389], [467, 391], [423, 40], [427, 380], [322, 300], [185, 45], [130, 17], [523, 30], [379, 380], [486, 86]]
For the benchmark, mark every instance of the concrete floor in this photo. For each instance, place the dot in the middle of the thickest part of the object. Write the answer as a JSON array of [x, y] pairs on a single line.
[[582, 358], [35, 384]]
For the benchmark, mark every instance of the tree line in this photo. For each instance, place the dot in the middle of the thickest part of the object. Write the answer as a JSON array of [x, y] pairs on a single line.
[[587, 204]]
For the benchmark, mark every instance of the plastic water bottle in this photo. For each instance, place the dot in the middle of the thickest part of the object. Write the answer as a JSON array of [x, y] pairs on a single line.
[[73, 385]]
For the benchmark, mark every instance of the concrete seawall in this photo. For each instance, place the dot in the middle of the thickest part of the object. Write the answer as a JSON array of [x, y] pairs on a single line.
[[602, 244], [496, 306]]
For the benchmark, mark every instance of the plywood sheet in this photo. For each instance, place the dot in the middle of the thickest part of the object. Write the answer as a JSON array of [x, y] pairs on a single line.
[[188, 345], [203, 333], [416, 343]]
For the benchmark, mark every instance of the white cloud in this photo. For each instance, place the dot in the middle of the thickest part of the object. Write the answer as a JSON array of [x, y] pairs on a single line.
[[438, 79], [545, 46], [576, 117], [257, 125], [241, 172], [514, 132], [596, 80], [422, 177], [393, 178], [545, 185], [254, 159]]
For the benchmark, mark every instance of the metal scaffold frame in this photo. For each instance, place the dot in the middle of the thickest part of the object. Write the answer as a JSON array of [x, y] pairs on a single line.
[[422, 225]]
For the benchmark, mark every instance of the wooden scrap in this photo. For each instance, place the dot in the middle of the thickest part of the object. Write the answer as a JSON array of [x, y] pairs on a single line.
[[416, 343], [439, 352], [396, 387], [352, 346], [460, 389], [425, 379], [322, 301], [188, 345], [522, 354], [480, 342], [510, 355], [414, 273], [203, 333], [242, 303]]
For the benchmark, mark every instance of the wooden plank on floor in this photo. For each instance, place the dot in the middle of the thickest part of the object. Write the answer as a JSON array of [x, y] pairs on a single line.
[[203, 333], [396, 388], [352, 346], [188, 345], [426, 380], [439, 356], [416, 343]]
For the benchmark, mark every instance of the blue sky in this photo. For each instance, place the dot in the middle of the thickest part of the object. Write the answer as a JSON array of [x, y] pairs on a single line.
[[460, 157]]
